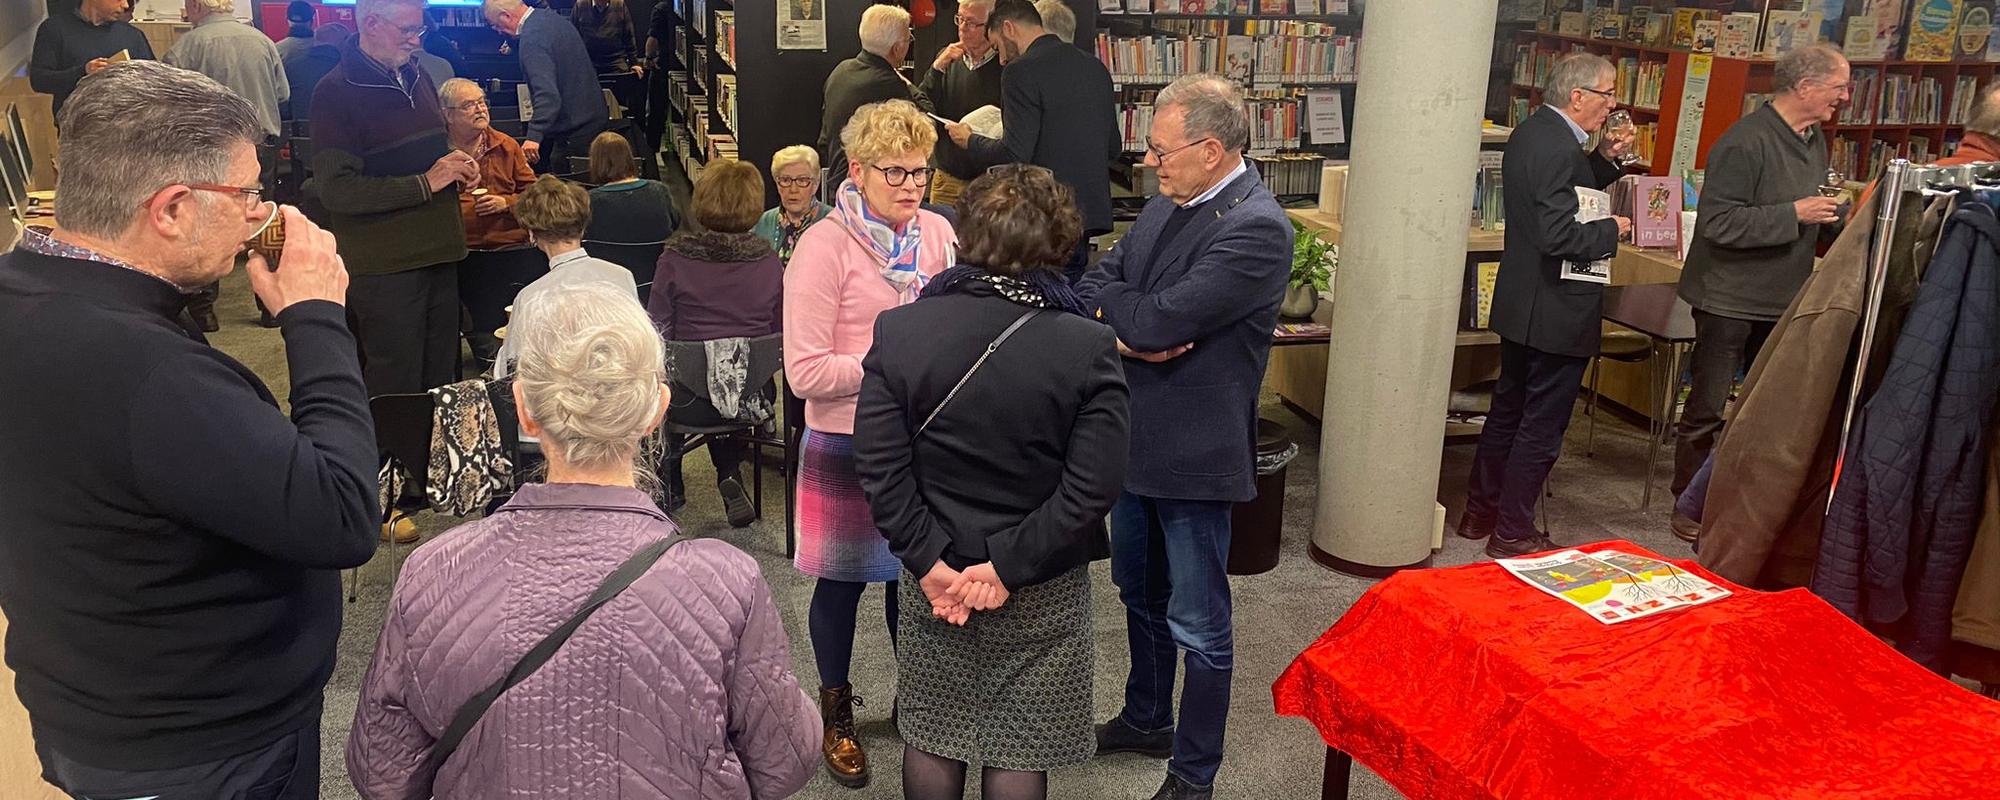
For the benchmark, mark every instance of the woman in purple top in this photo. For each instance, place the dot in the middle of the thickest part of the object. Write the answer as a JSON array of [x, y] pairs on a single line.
[[717, 282], [680, 687]]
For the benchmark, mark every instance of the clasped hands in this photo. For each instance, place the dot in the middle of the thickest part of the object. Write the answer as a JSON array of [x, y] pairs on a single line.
[[954, 595]]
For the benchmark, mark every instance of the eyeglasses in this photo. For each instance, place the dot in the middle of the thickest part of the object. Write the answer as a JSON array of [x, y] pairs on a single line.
[[470, 106], [410, 32], [1161, 155], [897, 175], [254, 195], [965, 20], [798, 182], [1604, 93], [1838, 88]]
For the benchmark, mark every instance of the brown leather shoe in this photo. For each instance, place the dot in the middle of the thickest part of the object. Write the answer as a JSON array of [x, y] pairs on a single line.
[[846, 762], [404, 532]]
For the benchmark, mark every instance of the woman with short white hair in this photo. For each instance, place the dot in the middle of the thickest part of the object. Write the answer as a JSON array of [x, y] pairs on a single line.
[[678, 686], [795, 170]]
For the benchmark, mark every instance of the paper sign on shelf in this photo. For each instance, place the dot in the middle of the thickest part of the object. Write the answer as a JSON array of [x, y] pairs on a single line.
[[1324, 117]]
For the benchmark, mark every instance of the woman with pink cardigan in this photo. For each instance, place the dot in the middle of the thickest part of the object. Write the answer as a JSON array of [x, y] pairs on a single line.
[[873, 252]]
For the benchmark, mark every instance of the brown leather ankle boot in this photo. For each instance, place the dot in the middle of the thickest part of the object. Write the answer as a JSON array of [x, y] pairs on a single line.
[[841, 748]]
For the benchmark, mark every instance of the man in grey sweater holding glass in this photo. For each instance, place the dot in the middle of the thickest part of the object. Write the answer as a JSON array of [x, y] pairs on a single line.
[[1762, 214]]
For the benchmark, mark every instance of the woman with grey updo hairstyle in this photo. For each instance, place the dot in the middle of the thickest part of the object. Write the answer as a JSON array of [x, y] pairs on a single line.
[[682, 681]]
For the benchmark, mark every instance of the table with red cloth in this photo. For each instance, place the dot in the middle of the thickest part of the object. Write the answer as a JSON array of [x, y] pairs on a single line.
[[1468, 683]]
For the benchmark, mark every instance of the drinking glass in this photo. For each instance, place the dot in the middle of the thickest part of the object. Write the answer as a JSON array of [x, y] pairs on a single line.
[[1620, 123]]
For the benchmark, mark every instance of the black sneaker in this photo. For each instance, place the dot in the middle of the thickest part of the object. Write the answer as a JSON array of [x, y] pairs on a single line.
[[1177, 789], [736, 503], [1500, 547], [1117, 736], [1474, 527]]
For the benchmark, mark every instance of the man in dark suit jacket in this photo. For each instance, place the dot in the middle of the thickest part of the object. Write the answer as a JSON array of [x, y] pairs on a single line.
[[868, 77], [569, 103], [1548, 324], [1192, 292], [1058, 111]]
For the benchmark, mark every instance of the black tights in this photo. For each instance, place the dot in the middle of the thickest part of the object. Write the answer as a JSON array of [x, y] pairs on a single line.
[[831, 620], [934, 777]]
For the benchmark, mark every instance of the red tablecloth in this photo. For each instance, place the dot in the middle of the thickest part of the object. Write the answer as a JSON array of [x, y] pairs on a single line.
[[1468, 683]]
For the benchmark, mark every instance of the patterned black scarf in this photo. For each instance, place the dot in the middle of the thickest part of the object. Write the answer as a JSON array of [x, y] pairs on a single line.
[[1037, 289]]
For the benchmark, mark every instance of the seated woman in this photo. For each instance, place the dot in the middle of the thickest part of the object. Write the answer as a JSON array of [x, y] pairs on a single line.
[[556, 212], [498, 260], [796, 171], [714, 285], [680, 686], [626, 209], [993, 493]]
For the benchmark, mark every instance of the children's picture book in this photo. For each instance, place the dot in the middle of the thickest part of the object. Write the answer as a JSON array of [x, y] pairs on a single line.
[[1861, 43], [1684, 26], [1656, 212], [1888, 16], [1705, 33], [1975, 29], [1933, 28], [1738, 38], [1785, 31], [1613, 585]]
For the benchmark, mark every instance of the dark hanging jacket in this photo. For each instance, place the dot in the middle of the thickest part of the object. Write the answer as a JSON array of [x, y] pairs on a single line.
[[1908, 501]]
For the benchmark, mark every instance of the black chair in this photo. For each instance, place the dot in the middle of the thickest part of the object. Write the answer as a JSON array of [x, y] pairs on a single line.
[[687, 376], [402, 433], [642, 260]]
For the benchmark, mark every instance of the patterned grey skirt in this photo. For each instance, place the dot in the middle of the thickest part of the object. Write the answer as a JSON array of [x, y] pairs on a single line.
[[1011, 689]]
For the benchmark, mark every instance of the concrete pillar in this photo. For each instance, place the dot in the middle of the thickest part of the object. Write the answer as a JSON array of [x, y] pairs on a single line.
[[1422, 85]]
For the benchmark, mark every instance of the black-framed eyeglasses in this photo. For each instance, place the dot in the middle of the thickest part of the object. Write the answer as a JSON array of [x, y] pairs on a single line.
[[961, 19], [897, 175], [1162, 155], [796, 182], [1604, 93]]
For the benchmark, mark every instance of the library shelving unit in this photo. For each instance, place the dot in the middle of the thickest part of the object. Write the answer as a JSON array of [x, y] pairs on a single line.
[[1908, 109], [1278, 57], [733, 94]]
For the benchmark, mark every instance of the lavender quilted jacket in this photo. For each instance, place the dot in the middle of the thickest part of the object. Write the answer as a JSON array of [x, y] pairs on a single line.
[[681, 687]]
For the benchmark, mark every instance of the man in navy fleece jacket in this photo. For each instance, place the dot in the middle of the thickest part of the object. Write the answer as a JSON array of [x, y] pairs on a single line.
[[170, 540]]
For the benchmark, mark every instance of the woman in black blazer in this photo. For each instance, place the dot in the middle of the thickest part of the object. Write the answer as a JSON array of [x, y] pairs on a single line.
[[990, 471]]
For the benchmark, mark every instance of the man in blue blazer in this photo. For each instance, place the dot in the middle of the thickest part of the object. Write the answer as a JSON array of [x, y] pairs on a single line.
[[1192, 292], [562, 83], [1549, 324]]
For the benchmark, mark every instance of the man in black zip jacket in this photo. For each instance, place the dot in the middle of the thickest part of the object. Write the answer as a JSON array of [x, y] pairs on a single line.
[[171, 540]]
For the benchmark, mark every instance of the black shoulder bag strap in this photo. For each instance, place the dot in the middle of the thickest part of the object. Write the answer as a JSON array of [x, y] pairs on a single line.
[[469, 714], [995, 345]]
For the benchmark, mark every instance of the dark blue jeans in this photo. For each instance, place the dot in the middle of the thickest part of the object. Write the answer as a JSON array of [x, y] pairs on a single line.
[[1169, 558], [1523, 436]]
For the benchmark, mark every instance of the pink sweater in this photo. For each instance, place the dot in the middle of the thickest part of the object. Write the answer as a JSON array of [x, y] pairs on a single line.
[[833, 290]]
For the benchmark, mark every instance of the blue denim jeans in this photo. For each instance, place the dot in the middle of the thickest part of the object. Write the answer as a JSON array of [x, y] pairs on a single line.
[[1168, 558]]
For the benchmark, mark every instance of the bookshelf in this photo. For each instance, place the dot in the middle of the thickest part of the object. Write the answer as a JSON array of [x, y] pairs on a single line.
[[1899, 109], [1279, 50]]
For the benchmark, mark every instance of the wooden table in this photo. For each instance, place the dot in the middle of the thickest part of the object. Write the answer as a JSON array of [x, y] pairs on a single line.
[[1298, 374]]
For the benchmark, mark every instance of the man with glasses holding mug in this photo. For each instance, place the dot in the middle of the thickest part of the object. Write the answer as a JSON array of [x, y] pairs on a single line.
[[170, 539], [385, 171], [964, 78], [1762, 215]]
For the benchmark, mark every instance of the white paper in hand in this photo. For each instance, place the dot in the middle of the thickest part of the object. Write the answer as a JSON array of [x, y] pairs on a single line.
[[1591, 205]]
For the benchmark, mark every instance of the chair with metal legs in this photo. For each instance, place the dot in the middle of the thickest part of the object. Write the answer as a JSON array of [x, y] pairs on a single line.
[[1622, 346]]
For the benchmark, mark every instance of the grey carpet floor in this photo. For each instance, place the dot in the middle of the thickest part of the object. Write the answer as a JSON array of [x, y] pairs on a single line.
[[1277, 614]]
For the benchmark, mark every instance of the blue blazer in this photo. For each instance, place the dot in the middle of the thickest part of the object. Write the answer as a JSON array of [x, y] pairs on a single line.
[[1218, 285], [561, 79]]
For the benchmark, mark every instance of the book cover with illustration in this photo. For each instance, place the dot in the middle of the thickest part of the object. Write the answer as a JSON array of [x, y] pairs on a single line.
[[1656, 215], [1738, 38], [1861, 43], [1684, 26], [1706, 31], [1933, 26], [1888, 16], [1274, 7], [1612, 585], [1785, 31], [1238, 54], [1975, 29]]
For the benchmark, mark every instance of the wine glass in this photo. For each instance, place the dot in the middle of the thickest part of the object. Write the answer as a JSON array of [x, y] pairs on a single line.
[[1620, 123]]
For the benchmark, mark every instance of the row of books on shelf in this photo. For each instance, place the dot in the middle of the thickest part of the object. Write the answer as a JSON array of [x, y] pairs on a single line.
[[695, 14], [1249, 59], [1244, 27], [678, 84], [1843, 154], [1224, 7], [1898, 99], [1868, 30], [1289, 173], [725, 99], [1277, 120], [1910, 100], [1638, 83], [724, 42]]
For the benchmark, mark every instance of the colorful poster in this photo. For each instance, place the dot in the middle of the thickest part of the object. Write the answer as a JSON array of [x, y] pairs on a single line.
[[1694, 104]]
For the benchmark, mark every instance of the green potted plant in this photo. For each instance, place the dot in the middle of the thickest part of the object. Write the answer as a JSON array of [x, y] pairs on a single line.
[[1313, 262]]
